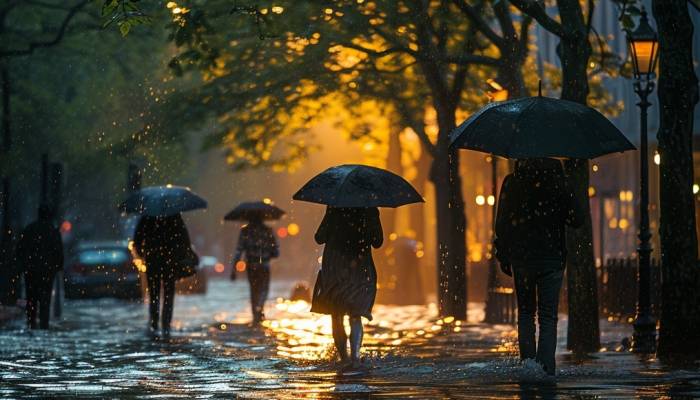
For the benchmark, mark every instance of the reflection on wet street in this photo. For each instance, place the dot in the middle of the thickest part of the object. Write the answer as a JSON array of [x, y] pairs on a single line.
[[100, 349]]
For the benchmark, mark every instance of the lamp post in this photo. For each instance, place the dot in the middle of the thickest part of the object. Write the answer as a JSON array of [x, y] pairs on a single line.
[[493, 313], [643, 44]]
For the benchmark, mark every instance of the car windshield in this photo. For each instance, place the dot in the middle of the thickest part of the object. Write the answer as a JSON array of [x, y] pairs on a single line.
[[103, 256]]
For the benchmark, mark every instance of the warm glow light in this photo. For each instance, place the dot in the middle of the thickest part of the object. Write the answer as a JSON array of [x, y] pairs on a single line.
[[591, 191], [282, 232], [499, 93], [169, 185], [595, 168], [393, 236], [66, 227], [657, 158], [267, 201], [480, 200], [491, 200], [293, 229], [240, 266], [643, 51], [219, 268], [420, 253], [171, 4], [277, 9], [623, 224], [612, 224], [696, 188]]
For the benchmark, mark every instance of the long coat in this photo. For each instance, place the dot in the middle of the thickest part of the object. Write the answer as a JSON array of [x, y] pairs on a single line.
[[162, 242], [347, 281]]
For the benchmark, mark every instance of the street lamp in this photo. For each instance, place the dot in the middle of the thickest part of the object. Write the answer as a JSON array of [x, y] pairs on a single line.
[[493, 313], [643, 44]]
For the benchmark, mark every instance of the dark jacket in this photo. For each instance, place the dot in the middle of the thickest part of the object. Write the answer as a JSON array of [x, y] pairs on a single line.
[[535, 205], [258, 244], [40, 248], [161, 242]]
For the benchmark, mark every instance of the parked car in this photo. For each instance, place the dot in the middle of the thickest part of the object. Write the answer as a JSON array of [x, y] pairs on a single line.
[[102, 269]]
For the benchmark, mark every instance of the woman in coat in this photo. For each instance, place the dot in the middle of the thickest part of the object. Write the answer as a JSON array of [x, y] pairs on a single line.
[[162, 242], [347, 281], [535, 207]]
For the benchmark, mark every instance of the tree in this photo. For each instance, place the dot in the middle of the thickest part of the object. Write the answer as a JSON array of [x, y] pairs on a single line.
[[414, 56], [574, 51], [678, 95]]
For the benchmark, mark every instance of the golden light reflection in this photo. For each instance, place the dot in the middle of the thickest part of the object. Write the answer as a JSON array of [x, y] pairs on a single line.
[[305, 336]]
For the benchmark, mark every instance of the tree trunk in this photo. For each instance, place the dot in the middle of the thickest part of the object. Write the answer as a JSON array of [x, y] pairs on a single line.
[[678, 94], [451, 222], [574, 51], [393, 164], [417, 211]]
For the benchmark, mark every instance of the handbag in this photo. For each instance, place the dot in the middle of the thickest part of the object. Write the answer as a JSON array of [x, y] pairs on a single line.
[[187, 266]]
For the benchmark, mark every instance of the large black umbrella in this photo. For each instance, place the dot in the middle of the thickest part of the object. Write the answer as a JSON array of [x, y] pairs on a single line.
[[254, 209], [354, 185], [157, 201], [535, 127]]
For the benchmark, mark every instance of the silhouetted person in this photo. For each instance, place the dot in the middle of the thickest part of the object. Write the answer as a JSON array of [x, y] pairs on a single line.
[[347, 281], [535, 206], [40, 256], [259, 246], [161, 242]]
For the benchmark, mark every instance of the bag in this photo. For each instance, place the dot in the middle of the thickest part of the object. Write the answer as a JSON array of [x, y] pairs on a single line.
[[187, 265]]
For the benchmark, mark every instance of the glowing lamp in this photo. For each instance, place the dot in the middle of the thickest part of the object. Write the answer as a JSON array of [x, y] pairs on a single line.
[[644, 47]]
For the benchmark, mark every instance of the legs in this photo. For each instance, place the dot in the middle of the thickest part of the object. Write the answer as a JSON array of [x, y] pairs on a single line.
[[259, 280], [525, 290], [341, 339], [537, 288], [548, 286], [356, 333], [154, 298], [168, 303], [339, 336], [45, 301], [31, 287]]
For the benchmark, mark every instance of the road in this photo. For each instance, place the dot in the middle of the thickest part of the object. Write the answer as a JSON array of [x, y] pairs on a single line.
[[100, 349]]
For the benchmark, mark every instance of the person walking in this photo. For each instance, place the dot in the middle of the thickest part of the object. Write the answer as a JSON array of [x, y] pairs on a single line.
[[257, 243], [535, 206], [347, 281], [39, 254], [162, 241]]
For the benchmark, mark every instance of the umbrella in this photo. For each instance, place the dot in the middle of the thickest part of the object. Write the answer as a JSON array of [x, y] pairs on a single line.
[[254, 209], [355, 185], [162, 200], [535, 127]]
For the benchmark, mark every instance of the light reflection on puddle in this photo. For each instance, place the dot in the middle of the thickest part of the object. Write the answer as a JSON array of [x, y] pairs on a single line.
[[408, 351]]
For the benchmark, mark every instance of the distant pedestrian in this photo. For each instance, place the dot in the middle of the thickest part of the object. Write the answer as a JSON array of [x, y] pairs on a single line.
[[347, 281], [535, 205], [162, 242], [40, 256], [258, 244]]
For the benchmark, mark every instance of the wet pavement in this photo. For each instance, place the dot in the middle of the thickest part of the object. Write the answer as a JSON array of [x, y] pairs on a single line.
[[100, 349]]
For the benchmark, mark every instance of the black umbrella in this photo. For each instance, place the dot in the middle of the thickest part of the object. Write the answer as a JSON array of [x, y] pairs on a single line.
[[157, 201], [535, 127], [355, 185], [254, 209]]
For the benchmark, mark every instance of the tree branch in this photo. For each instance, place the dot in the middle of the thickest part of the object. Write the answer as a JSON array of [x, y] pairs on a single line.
[[536, 11], [57, 39], [479, 23]]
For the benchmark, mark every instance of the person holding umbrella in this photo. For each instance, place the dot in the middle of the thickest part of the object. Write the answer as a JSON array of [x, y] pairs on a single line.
[[258, 244], [535, 207], [536, 201], [162, 240], [347, 282]]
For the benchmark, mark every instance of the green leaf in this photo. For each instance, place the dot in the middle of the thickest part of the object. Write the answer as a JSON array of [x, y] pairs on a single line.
[[124, 27]]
